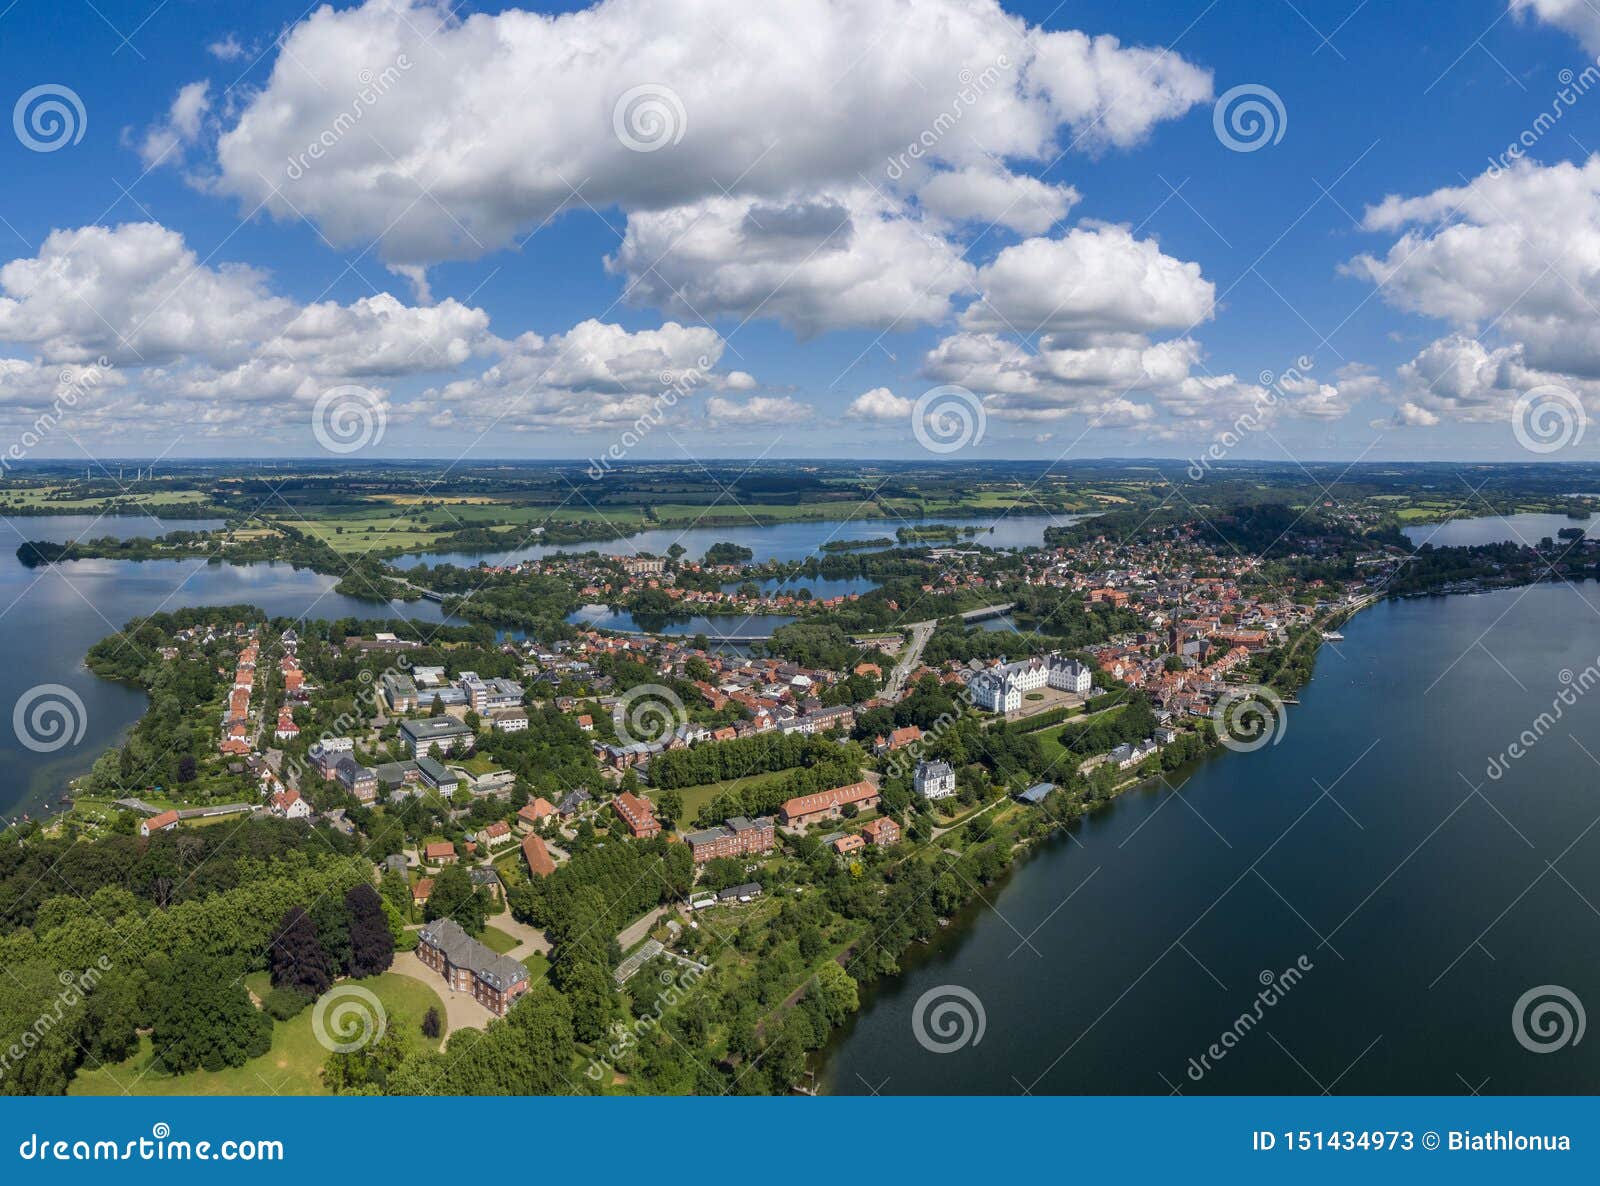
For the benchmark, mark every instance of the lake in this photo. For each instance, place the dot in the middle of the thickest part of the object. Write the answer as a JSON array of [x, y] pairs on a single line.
[[818, 587], [51, 616], [1425, 896], [780, 541], [603, 617], [1492, 529]]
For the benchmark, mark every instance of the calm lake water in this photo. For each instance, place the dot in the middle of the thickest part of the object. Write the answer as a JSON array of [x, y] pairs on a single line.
[[1494, 529], [783, 541], [1425, 908], [51, 616], [819, 587], [605, 618]]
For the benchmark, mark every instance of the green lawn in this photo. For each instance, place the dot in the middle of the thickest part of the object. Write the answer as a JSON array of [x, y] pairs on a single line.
[[497, 940], [292, 1067], [696, 797], [538, 964], [1050, 741]]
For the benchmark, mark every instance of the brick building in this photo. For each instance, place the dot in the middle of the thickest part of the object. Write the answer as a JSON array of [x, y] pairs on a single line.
[[495, 981], [637, 814], [808, 809], [738, 837]]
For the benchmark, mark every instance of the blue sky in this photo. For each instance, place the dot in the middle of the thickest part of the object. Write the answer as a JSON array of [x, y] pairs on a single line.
[[407, 264]]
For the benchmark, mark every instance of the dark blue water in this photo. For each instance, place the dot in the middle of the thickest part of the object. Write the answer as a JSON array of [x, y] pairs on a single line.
[[51, 616], [719, 625], [1492, 529], [1424, 906], [819, 587], [783, 541]]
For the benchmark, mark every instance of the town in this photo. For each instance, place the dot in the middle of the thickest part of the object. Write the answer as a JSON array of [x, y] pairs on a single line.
[[580, 816]]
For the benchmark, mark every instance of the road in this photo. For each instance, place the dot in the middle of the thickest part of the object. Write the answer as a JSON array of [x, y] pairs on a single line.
[[920, 633], [909, 658], [640, 927]]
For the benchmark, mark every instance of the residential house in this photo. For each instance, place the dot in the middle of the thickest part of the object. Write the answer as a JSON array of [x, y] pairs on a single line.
[[934, 780], [531, 813], [882, 832], [848, 843], [289, 805], [898, 739], [495, 834], [164, 822], [573, 803]]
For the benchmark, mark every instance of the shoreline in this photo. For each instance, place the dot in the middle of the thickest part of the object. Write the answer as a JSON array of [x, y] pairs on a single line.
[[960, 924]]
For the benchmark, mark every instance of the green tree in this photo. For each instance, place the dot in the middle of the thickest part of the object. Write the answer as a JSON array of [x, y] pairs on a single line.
[[297, 960], [202, 1015], [49, 1035], [371, 941], [454, 896]]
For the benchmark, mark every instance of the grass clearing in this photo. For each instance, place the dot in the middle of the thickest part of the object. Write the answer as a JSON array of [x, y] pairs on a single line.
[[497, 940], [292, 1067]]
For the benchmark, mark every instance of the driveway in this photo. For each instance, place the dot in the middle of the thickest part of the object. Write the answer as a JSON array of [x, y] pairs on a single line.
[[640, 927], [460, 1010], [529, 939]]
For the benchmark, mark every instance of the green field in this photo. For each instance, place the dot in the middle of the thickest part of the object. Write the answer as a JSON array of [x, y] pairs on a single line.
[[696, 797], [292, 1067]]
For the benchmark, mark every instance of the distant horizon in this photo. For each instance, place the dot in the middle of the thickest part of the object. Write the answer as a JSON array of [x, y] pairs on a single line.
[[691, 463]]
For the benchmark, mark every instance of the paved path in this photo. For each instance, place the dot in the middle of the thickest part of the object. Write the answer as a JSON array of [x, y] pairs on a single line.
[[529, 939], [460, 1010], [954, 824], [639, 928]]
